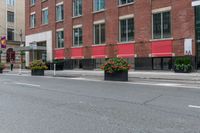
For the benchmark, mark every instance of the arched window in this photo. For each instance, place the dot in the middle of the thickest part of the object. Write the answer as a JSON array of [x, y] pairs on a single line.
[[10, 55]]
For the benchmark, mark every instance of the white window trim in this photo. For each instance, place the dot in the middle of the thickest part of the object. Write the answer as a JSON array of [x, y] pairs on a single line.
[[61, 29], [46, 8], [32, 13], [126, 16], [162, 9], [60, 3], [99, 21], [77, 26]]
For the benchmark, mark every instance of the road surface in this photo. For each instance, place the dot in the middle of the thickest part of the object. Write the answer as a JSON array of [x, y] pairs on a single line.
[[60, 105]]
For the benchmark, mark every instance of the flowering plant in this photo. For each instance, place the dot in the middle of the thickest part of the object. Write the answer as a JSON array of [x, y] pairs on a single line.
[[115, 65], [38, 65], [2, 66]]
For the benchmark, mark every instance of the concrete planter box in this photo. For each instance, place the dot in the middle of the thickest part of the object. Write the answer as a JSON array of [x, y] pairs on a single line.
[[116, 76], [37, 72]]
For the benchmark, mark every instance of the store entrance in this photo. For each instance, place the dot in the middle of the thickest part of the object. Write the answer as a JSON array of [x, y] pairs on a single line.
[[77, 64], [162, 63]]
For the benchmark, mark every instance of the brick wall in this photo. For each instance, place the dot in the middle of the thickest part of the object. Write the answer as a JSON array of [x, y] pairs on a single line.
[[182, 23]]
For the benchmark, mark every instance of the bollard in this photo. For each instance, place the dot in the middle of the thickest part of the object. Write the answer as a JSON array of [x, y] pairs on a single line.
[[20, 69], [54, 71]]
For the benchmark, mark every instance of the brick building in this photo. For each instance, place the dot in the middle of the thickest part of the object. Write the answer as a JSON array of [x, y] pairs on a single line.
[[150, 34]]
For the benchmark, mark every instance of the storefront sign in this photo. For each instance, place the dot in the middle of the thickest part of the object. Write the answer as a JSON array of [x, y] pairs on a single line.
[[188, 47], [195, 2]]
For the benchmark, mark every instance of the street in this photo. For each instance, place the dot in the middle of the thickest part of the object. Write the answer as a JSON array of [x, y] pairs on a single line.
[[68, 105]]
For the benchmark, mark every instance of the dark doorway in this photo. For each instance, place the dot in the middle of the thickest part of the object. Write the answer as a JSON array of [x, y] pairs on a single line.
[[162, 63], [10, 55], [77, 64]]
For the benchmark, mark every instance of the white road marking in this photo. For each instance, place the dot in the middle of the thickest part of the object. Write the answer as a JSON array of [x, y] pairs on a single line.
[[194, 106], [26, 84]]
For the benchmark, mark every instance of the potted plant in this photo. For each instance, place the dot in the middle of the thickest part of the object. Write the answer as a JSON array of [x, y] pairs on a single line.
[[116, 69], [37, 68], [2, 66], [183, 65]]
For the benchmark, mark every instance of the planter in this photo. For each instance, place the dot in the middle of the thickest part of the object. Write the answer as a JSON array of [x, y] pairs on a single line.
[[116, 76], [182, 71], [1, 70], [37, 72]]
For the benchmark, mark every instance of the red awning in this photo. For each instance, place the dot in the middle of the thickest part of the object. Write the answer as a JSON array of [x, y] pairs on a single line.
[[125, 50], [59, 54], [77, 53], [99, 52], [162, 48]]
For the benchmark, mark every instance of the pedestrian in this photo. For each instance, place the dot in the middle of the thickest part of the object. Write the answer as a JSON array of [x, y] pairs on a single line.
[[11, 65]]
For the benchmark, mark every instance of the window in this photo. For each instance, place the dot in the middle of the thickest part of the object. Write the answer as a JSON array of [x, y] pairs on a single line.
[[32, 2], [11, 2], [60, 39], [99, 5], [77, 7], [77, 37], [122, 2], [10, 16], [32, 20], [127, 30], [161, 25], [45, 16], [99, 33], [10, 34], [59, 12]]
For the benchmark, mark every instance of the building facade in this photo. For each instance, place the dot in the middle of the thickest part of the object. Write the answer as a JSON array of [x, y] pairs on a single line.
[[12, 28], [150, 34]]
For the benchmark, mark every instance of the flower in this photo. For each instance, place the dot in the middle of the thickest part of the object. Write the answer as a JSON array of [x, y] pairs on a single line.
[[115, 65]]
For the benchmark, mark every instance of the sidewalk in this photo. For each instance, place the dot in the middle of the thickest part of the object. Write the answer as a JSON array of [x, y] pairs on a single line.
[[163, 75], [159, 75]]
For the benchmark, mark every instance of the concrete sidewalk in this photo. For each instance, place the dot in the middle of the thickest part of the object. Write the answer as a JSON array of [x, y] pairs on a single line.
[[159, 75], [163, 75]]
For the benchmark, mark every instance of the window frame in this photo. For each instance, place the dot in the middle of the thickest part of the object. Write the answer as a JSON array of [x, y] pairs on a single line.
[[94, 6], [127, 3], [61, 4], [79, 44], [74, 7], [43, 17], [63, 39], [99, 24], [34, 21], [127, 37], [161, 11]]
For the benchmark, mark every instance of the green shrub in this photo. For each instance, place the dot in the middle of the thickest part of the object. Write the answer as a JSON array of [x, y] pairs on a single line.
[[38, 65], [183, 64]]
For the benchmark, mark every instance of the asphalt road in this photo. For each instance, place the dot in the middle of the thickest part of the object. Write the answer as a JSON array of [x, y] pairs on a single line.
[[59, 105]]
